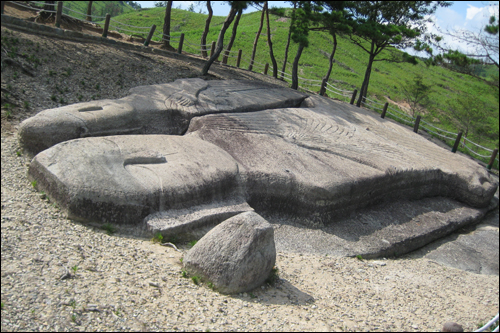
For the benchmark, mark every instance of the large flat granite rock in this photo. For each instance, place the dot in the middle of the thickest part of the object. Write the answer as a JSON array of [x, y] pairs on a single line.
[[311, 158], [123, 179], [328, 159], [156, 109]]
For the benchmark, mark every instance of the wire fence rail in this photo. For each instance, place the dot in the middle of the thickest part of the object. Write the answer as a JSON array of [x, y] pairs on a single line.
[[489, 324], [398, 113]]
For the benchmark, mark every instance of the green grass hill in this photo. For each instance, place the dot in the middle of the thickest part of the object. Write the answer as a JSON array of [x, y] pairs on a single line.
[[348, 71]]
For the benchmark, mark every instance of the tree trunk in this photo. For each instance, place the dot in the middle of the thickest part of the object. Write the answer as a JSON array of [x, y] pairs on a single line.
[[327, 76], [270, 43], [256, 40], [89, 11], [288, 42], [295, 78], [166, 26], [364, 87], [366, 81], [233, 36], [49, 5], [220, 40], [205, 32]]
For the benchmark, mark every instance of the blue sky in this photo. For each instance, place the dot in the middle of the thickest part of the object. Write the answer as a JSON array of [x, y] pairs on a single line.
[[461, 15]]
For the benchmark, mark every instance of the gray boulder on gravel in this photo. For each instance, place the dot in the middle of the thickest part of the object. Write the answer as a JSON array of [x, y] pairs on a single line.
[[236, 256]]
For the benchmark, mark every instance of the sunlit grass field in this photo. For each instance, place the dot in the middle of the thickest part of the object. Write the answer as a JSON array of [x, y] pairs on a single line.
[[348, 70]]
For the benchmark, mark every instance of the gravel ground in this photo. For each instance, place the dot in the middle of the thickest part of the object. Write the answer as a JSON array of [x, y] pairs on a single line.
[[61, 275]]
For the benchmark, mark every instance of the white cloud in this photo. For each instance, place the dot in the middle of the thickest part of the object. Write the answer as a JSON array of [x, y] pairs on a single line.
[[477, 18], [472, 11], [447, 18]]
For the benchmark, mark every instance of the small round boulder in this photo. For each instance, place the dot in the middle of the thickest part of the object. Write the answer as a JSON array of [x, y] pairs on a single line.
[[235, 256]]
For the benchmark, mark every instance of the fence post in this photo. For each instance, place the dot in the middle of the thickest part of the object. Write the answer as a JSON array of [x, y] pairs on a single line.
[[150, 35], [212, 49], [3, 5], [239, 59], [384, 110], [89, 11], [417, 123], [353, 98], [106, 26], [59, 13], [224, 58], [457, 142], [492, 159], [181, 41], [266, 68], [323, 87]]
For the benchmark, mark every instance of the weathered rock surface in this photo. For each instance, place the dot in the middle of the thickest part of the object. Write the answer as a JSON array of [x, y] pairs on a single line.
[[236, 256], [328, 159], [184, 222], [395, 228], [123, 179], [155, 109], [317, 162]]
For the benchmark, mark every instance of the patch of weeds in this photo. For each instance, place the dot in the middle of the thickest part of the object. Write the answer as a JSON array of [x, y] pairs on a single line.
[[98, 87], [74, 269], [53, 98], [196, 279], [80, 97], [15, 75], [33, 312], [33, 183], [181, 259], [67, 72], [72, 303], [2, 304], [117, 312], [109, 228], [359, 257], [252, 295], [9, 86], [192, 243], [52, 73], [173, 239], [62, 101], [184, 274], [82, 83], [73, 318], [158, 238], [18, 153], [26, 104], [8, 110], [273, 276], [211, 285]]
